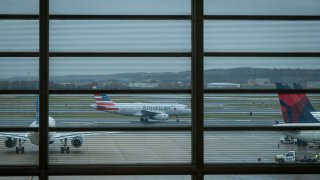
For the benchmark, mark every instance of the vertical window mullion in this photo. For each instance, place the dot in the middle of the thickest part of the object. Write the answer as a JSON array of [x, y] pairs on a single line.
[[197, 88], [43, 87]]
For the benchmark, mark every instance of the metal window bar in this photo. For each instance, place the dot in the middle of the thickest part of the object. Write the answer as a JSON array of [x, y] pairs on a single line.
[[197, 171]]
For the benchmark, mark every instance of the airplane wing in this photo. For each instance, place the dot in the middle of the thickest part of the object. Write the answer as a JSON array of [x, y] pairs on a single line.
[[63, 135], [15, 135]]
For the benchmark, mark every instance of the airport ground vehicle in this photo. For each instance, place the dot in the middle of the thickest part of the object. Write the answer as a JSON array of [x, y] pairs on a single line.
[[287, 140], [293, 157]]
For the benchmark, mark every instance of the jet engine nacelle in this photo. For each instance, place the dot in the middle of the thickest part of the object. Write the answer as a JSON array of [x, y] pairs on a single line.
[[10, 142], [161, 117], [76, 141]]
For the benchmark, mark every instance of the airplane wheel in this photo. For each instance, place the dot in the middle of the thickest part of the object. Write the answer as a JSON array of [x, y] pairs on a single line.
[[22, 150], [17, 150], [62, 149], [146, 120], [67, 150], [142, 119]]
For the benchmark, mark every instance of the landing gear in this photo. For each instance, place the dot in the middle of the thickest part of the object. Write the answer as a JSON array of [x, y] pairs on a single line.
[[178, 120], [144, 120], [20, 148], [64, 147]]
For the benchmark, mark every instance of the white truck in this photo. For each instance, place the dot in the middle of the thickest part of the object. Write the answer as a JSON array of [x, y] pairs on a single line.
[[292, 157]]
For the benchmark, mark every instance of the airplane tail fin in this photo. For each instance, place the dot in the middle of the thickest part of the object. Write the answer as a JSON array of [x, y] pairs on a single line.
[[37, 109], [101, 98], [296, 108]]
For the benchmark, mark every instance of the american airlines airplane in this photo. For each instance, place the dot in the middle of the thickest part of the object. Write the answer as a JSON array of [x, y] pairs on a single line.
[[146, 111], [297, 111], [18, 139]]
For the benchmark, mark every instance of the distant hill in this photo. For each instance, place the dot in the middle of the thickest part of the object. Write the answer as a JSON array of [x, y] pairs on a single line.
[[233, 75]]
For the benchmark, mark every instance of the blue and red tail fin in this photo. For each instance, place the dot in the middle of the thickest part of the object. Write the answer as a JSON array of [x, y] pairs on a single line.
[[296, 108], [101, 98]]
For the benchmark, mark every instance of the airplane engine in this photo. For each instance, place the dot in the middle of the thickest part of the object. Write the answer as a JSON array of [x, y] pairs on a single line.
[[10, 143], [161, 117], [76, 141]]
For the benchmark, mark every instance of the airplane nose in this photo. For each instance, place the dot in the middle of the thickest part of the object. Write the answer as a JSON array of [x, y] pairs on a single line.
[[93, 106]]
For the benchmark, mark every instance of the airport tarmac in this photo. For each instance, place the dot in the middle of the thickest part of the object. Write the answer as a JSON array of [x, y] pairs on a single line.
[[161, 148], [156, 147]]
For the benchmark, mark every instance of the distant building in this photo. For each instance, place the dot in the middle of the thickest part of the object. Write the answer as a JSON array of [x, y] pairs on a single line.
[[259, 82], [141, 85], [313, 84], [222, 85]]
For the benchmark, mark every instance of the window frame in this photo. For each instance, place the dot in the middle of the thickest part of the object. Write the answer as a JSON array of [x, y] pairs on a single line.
[[197, 168]]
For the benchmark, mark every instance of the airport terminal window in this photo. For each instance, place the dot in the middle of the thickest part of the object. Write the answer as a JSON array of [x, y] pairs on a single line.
[[159, 89]]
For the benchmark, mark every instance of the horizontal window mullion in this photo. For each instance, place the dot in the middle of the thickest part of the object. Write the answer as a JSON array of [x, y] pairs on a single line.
[[262, 17], [19, 16], [241, 168], [178, 169], [19, 170], [118, 54], [124, 128], [262, 54], [19, 54], [260, 128], [19, 92], [120, 17], [18, 129], [258, 91]]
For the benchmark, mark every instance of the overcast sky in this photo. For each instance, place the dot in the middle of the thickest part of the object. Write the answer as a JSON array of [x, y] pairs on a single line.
[[158, 36]]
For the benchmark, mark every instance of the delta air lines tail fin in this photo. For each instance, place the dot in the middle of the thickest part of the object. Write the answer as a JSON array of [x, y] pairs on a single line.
[[296, 108]]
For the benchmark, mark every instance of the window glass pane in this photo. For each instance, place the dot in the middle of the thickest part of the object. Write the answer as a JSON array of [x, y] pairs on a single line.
[[260, 147], [19, 35], [18, 177], [257, 109], [261, 7], [263, 177], [121, 7], [18, 73], [110, 72], [140, 177], [124, 147], [19, 7], [17, 110], [260, 72], [121, 109], [261, 36], [120, 36]]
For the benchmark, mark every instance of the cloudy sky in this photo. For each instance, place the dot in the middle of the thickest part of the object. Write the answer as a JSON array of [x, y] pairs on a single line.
[[158, 36]]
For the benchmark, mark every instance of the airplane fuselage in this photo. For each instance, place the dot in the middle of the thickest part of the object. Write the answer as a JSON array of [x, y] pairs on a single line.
[[34, 136], [135, 109]]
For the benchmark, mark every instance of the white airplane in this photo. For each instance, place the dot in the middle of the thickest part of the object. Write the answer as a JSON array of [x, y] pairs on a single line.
[[17, 140], [146, 111], [298, 111]]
